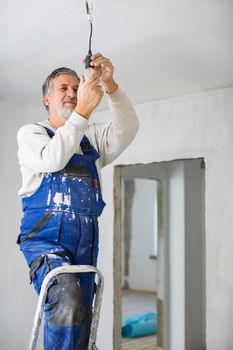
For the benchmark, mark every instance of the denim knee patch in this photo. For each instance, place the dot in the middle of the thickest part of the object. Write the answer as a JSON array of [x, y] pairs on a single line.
[[65, 303]]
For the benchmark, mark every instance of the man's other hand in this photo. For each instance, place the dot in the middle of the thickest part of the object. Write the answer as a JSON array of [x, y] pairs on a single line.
[[89, 94], [105, 69]]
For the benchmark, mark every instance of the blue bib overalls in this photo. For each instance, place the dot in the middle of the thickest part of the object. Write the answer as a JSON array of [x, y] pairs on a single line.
[[60, 226]]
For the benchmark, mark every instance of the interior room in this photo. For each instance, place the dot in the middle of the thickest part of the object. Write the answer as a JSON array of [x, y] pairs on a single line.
[[165, 244]]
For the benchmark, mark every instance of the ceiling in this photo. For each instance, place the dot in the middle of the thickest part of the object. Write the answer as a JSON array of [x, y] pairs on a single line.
[[160, 48]]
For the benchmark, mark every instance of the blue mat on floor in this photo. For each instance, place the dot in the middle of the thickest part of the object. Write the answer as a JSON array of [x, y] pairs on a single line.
[[139, 325]]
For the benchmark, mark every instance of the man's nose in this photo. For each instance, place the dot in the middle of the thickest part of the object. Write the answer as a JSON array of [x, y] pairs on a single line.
[[71, 93]]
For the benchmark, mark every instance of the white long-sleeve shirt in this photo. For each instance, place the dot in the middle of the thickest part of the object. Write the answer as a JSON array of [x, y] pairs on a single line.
[[39, 154]]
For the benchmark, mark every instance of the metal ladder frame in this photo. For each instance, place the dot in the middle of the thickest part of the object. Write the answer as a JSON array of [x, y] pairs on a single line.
[[43, 293]]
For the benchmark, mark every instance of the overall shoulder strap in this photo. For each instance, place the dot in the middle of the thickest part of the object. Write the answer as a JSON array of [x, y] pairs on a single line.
[[49, 132], [88, 149], [85, 145]]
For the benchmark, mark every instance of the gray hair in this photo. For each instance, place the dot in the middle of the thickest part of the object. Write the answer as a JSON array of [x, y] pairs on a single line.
[[59, 71]]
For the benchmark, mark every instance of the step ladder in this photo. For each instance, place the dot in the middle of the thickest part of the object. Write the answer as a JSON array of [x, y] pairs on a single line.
[[96, 303]]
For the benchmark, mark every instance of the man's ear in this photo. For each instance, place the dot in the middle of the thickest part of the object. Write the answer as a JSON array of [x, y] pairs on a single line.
[[46, 101]]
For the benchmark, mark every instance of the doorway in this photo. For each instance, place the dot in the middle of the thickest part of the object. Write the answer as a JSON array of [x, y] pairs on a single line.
[[159, 259]]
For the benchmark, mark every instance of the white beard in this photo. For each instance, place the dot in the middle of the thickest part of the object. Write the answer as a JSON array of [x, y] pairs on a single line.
[[65, 113]]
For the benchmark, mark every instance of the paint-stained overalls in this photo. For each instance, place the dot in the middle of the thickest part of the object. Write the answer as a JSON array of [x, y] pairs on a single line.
[[60, 226]]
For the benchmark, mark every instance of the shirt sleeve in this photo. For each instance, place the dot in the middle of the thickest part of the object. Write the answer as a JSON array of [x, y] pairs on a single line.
[[113, 137], [40, 153]]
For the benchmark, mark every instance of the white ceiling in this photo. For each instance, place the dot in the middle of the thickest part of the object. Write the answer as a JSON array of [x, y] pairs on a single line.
[[159, 48]]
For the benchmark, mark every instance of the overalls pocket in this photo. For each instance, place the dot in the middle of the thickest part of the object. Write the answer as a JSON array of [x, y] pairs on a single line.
[[84, 195], [40, 226]]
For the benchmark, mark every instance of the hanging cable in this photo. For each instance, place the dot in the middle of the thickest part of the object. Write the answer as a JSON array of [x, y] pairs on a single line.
[[90, 19]]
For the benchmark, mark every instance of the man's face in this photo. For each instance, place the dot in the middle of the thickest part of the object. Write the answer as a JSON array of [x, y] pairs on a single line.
[[62, 98]]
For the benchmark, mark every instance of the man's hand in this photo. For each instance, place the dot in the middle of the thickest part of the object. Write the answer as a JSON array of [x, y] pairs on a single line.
[[103, 66], [89, 94]]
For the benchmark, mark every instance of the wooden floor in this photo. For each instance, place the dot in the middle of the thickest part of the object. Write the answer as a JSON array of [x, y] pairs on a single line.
[[142, 343], [135, 302]]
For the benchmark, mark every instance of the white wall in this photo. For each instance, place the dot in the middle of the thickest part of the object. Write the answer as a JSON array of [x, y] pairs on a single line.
[[17, 302], [198, 125], [142, 269]]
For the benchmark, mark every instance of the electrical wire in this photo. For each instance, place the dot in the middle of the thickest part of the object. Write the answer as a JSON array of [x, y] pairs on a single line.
[[90, 19]]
